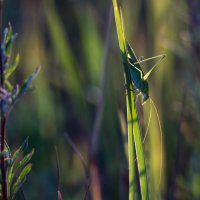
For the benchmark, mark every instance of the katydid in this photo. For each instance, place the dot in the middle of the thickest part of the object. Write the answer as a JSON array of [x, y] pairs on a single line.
[[137, 76], [139, 79]]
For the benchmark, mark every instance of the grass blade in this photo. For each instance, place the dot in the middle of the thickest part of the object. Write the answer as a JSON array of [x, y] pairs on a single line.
[[134, 134]]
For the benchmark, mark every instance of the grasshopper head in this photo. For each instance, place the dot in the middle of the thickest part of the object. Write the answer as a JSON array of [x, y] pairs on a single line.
[[145, 90]]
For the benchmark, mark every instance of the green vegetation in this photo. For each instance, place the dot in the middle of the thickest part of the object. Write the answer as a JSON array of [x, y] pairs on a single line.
[[79, 102], [134, 133], [14, 168]]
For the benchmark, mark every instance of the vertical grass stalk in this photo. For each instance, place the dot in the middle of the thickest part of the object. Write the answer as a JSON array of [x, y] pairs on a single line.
[[131, 153], [134, 133]]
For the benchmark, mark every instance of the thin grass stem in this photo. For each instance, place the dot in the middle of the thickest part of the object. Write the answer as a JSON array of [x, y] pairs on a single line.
[[135, 144]]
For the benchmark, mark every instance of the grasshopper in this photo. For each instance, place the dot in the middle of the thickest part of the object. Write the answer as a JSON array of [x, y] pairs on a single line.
[[139, 79]]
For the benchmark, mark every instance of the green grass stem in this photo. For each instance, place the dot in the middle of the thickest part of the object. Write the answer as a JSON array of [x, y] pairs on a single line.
[[134, 133]]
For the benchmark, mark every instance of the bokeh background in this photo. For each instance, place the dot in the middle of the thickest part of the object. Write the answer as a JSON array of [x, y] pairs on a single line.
[[80, 95]]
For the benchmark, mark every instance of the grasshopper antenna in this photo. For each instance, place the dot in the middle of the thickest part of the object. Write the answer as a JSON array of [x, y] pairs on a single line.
[[161, 141], [148, 125]]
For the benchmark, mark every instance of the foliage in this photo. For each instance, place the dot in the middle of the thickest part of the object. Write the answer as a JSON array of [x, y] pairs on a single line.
[[17, 166], [67, 96], [10, 94]]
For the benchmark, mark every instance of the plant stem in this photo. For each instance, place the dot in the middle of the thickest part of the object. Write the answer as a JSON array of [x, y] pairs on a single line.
[[3, 117], [96, 131], [1, 61], [3, 169], [101, 97]]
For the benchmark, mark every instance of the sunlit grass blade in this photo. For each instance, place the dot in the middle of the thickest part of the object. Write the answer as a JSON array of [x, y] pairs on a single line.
[[119, 26], [67, 59], [129, 100], [134, 134], [91, 44], [62, 48]]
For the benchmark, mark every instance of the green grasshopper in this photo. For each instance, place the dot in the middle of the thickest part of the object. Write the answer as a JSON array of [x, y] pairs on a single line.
[[132, 66], [139, 79]]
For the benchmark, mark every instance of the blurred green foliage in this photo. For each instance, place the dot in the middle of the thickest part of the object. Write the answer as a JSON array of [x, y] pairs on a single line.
[[68, 39]]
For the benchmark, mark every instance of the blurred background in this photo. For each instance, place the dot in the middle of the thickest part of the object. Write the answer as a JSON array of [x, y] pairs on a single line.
[[78, 104]]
